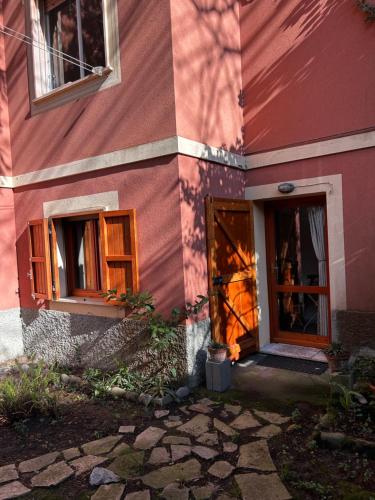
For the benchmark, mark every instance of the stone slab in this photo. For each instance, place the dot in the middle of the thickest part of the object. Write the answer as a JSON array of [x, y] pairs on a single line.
[[233, 409], [174, 492], [272, 418], [86, 463], [267, 487], [148, 438], [109, 492], [159, 455], [185, 471], [196, 426], [224, 428], [200, 408], [37, 463], [203, 492], [101, 446], [8, 473], [126, 429], [71, 453], [229, 447], [53, 475], [268, 431], [245, 421], [119, 450], [204, 452], [180, 451], [209, 439], [138, 495], [256, 455], [176, 440], [13, 490], [221, 469]]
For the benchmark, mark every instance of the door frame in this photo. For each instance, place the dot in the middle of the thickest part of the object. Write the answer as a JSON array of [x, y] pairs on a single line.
[[277, 335]]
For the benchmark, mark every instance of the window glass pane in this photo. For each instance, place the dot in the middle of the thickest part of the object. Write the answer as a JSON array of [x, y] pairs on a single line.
[[303, 313], [93, 32], [300, 246], [62, 35]]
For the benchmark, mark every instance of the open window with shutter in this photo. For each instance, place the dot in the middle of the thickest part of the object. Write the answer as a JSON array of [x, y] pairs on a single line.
[[118, 233], [40, 263], [83, 254]]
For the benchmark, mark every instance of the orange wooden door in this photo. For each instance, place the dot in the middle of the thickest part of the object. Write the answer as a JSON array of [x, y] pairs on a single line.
[[232, 276]]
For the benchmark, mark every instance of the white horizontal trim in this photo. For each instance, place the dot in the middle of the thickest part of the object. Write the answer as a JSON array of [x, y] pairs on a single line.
[[107, 200], [313, 150], [6, 181], [164, 147]]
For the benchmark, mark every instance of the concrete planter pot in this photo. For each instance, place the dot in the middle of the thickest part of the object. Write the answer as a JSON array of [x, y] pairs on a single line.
[[217, 354]]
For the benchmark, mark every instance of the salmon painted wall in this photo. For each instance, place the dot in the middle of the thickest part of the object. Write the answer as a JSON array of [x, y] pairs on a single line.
[[358, 180], [8, 262], [5, 151], [137, 111], [308, 71], [198, 179], [207, 71], [151, 188]]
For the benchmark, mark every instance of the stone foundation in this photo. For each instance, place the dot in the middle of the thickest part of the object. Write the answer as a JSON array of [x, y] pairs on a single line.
[[355, 329], [101, 342]]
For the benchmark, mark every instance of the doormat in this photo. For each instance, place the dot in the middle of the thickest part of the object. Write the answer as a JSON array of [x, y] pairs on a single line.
[[292, 364]]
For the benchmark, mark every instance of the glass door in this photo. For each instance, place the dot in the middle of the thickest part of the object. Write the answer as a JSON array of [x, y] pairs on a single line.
[[298, 274]]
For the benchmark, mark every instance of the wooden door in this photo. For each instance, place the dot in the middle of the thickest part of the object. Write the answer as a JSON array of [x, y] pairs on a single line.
[[232, 276]]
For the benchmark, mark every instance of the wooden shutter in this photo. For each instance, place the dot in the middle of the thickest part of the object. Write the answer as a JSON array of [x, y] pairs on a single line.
[[119, 253], [40, 261]]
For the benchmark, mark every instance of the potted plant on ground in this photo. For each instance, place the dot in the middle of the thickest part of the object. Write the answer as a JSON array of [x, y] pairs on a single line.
[[217, 352], [336, 356]]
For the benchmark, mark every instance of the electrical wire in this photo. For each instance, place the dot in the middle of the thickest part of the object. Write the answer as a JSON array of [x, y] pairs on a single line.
[[46, 48]]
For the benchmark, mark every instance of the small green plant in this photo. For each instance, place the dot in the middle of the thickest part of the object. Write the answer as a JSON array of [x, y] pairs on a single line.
[[334, 349], [296, 415], [99, 382], [347, 397], [313, 487], [217, 345], [28, 393]]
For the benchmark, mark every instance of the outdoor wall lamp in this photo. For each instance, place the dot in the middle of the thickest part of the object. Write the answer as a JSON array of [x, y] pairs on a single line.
[[286, 187], [289, 187]]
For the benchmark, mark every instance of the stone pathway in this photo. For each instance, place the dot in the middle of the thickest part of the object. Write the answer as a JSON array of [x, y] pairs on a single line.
[[190, 454]]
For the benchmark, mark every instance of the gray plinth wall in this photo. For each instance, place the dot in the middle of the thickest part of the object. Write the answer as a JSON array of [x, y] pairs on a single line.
[[11, 341]]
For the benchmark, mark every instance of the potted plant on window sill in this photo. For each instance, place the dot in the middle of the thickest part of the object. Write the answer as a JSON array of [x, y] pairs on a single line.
[[217, 352], [336, 356]]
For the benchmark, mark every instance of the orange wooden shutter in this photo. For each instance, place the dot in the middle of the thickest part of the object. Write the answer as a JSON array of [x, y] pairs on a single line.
[[119, 250], [40, 261]]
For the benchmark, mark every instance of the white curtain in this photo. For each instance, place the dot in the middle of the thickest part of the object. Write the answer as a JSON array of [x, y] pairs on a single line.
[[317, 224]]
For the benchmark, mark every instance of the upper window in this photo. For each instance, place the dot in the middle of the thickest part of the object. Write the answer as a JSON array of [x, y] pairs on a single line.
[[75, 49], [83, 255], [75, 32]]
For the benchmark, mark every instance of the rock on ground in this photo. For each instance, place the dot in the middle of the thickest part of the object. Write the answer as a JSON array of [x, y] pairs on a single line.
[[174, 492], [224, 428], [148, 438], [267, 487], [200, 408], [71, 453], [229, 447], [221, 469], [244, 421], [128, 465], [86, 463], [256, 455], [272, 418], [177, 440], [38, 463], [204, 452], [180, 451], [101, 446], [138, 495], [185, 471], [109, 492], [13, 490], [126, 429], [101, 475], [159, 456], [8, 473], [268, 431], [53, 475], [196, 426], [203, 492], [209, 439]]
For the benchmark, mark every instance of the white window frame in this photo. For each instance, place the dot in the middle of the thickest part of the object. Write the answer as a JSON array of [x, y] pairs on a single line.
[[42, 98]]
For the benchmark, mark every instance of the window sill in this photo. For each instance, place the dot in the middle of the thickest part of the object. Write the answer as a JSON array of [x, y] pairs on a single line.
[[86, 306], [74, 90]]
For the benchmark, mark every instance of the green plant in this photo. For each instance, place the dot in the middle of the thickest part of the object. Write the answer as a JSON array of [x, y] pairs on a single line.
[[127, 379], [296, 415], [313, 487], [99, 382], [347, 397], [217, 345], [364, 369], [28, 393], [334, 349]]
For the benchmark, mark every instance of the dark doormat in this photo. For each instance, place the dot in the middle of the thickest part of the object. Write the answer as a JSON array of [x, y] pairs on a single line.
[[293, 364]]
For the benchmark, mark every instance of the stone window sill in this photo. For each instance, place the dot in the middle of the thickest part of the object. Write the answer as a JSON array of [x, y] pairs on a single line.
[[86, 306]]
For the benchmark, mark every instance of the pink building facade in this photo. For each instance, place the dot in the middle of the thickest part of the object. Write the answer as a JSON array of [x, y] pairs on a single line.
[[220, 99]]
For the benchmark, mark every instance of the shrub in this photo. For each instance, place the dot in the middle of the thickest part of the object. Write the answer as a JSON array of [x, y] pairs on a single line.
[[28, 393]]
